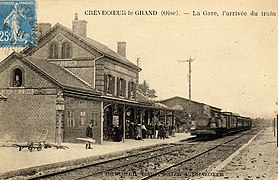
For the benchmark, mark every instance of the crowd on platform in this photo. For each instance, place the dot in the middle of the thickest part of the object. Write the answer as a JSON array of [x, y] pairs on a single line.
[[142, 131], [157, 131]]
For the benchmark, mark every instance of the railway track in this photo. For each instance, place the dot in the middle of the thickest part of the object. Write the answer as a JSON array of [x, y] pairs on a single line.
[[99, 167], [180, 159], [201, 160]]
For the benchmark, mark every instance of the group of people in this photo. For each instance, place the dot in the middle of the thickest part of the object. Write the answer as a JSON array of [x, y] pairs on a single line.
[[157, 131], [137, 132]]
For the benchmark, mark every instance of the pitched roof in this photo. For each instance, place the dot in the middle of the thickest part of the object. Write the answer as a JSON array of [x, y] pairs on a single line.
[[102, 49], [175, 97], [60, 75], [109, 52], [55, 73], [141, 98]]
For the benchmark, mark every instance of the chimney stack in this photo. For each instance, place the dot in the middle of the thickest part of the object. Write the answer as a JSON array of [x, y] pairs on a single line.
[[79, 26], [122, 48], [42, 28]]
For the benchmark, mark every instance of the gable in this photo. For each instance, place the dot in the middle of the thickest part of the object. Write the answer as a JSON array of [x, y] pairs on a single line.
[[56, 75], [95, 48], [31, 78], [59, 36]]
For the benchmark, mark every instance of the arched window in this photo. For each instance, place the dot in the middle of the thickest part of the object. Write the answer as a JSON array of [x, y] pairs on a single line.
[[53, 51], [66, 51], [17, 78]]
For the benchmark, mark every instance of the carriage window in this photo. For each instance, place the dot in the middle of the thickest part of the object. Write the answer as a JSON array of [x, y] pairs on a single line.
[[53, 51], [17, 78], [66, 51]]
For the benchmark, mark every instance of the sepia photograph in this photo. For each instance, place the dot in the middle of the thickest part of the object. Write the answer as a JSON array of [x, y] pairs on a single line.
[[121, 89]]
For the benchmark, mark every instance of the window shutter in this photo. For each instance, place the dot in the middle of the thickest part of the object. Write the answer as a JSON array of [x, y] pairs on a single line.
[[129, 90], [105, 83], [134, 90], [113, 85], [118, 86], [124, 88]]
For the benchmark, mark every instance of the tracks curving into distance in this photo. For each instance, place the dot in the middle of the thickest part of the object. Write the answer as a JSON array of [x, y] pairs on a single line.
[[168, 159]]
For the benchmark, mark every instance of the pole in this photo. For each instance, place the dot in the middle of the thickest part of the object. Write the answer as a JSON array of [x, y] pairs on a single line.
[[277, 128], [189, 76], [189, 79], [274, 126]]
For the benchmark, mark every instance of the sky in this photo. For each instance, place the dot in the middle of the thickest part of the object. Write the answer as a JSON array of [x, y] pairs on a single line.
[[235, 63]]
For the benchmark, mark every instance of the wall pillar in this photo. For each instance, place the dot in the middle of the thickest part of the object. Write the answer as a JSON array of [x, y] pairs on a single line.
[[141, 121], [60, 108]]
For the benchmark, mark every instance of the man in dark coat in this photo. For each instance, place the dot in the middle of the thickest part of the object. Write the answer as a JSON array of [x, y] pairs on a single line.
[[89, 134]]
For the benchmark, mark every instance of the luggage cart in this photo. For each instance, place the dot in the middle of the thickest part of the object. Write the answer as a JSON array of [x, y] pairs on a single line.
[[37, 143]]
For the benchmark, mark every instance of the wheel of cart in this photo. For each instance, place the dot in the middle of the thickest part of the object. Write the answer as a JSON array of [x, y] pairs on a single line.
[[38, 141]]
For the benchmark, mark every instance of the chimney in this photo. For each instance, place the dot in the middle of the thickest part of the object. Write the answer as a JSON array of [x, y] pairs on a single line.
[[42, 28], [122, 48], [79, 26]]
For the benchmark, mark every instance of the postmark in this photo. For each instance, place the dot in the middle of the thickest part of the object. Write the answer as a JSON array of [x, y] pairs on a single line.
[[17, 23]]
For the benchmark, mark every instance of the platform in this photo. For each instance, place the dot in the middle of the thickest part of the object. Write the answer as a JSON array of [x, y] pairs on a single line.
[[12, 159]]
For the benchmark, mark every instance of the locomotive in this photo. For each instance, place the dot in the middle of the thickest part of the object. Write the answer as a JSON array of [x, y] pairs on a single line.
[[214, 122]]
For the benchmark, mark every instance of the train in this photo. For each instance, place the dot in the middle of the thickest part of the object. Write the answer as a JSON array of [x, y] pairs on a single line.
[[213, 122]]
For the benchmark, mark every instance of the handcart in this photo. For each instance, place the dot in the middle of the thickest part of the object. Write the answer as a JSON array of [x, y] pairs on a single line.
[[37, 143]]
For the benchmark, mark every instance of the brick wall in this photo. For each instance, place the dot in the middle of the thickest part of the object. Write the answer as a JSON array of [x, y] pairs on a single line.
[[116, 69], [195, 107], [60, 38], [31, 78], [22, 114]]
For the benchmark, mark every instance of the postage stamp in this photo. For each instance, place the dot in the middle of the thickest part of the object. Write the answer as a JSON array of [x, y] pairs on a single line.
[[17, 23]]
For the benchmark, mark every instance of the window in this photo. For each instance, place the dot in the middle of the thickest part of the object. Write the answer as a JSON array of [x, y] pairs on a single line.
[[17, 78], [53, 51], [71, 119], [82, 118], [109, 84], [131, 90], [94, 118], [121, 87], [66, 51]]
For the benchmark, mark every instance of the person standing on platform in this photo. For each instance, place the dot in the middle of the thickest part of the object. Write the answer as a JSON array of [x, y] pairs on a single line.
[[156, 128], [89, 134]]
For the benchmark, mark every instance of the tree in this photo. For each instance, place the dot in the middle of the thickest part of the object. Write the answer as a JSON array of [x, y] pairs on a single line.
[[182, 121], [144, 89]]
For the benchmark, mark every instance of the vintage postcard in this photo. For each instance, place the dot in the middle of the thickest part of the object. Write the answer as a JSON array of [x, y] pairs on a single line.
[[18, 22], [121, 89]]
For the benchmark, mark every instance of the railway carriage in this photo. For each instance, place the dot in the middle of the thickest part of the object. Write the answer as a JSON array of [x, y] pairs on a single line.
[[211, 122]]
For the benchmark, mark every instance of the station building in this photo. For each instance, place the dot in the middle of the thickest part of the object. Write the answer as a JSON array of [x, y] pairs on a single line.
[[197, 108], [90, 81]]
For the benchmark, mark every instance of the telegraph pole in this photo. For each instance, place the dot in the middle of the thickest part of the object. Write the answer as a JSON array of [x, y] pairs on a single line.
[[189, 79]]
